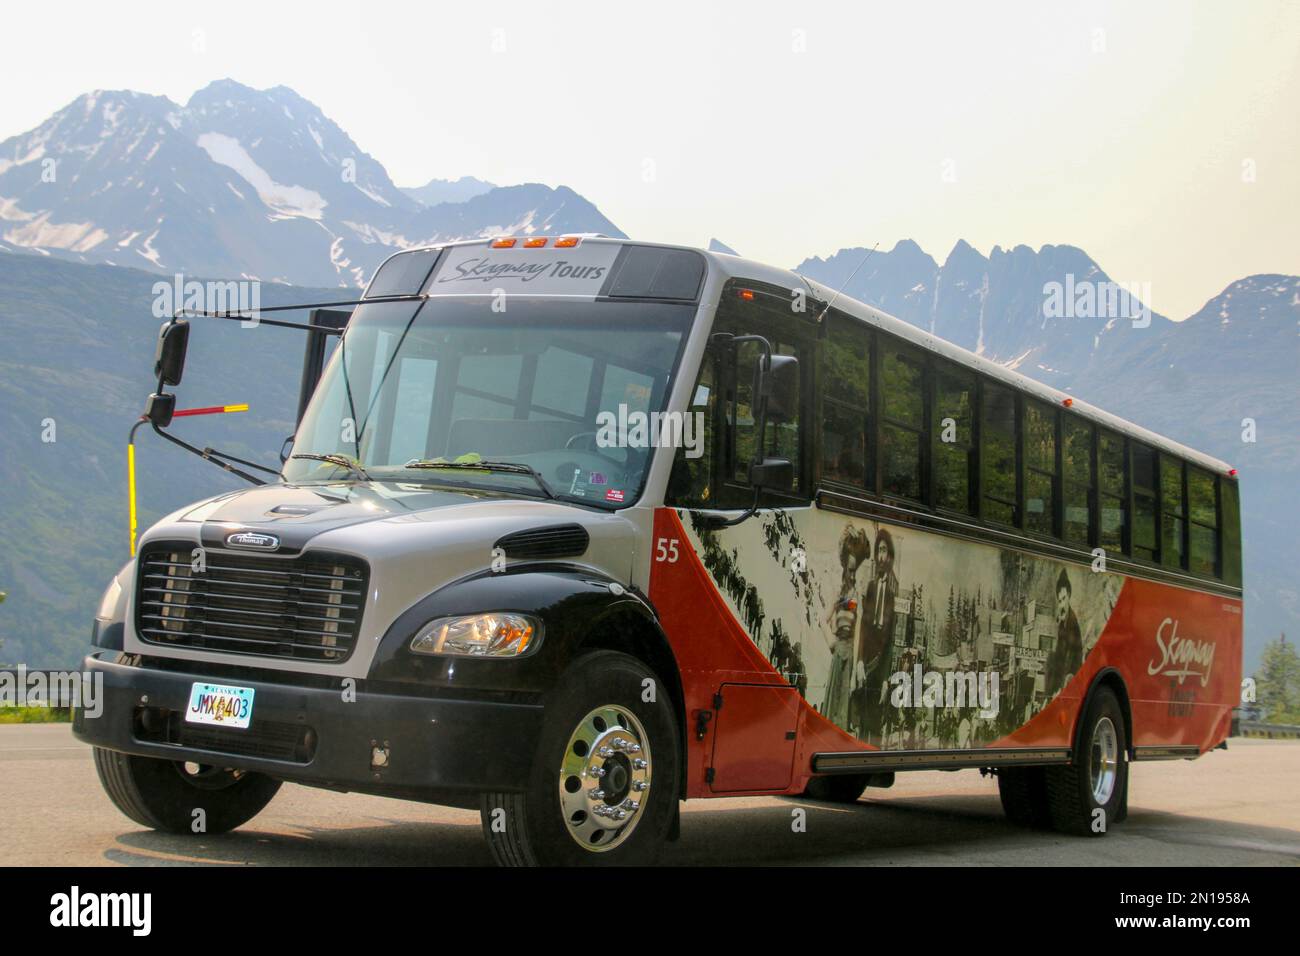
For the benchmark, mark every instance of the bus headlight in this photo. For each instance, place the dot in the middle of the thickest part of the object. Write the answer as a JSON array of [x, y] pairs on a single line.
[[495, 634]]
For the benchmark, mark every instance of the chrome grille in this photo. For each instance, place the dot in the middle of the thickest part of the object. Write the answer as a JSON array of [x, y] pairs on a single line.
[[307, 607]]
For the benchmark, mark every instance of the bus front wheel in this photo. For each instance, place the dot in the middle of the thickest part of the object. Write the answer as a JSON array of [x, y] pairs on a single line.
[[1087, 796], [604, 783], [180, 797]]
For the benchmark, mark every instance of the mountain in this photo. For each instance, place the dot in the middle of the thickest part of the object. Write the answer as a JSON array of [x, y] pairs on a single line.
[[74, 375], [238, 183], [994, 305], [437, 191]]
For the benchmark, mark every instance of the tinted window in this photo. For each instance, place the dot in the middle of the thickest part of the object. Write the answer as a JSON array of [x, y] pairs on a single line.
[[1112, 493], [903, 422], [1076, 460], [1144, 503], [1173, 512], [954, 419], [998, 454], [1040, 468], [847, 404], [1203, 537]]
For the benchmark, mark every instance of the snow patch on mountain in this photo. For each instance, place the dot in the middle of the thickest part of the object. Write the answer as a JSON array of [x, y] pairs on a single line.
[[286, 200]]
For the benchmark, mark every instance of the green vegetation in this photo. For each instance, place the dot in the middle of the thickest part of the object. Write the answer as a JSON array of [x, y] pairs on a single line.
[[74, 374], [35, 715], [1277, 683]]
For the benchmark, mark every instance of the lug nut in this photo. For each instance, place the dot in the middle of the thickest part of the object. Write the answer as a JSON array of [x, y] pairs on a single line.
[[641, 786], [596, 793], [639, 763], [595, 771]]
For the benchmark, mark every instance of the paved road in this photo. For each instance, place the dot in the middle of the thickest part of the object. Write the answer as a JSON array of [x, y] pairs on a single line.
[[1239, 807]]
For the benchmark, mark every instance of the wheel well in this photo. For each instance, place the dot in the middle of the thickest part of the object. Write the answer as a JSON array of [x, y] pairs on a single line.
[[1111, 678], [639, 637]]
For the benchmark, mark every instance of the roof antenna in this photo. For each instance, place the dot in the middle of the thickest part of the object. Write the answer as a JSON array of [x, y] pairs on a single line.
[[826, 310]]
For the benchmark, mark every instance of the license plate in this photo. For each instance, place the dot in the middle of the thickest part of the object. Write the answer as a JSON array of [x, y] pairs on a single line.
[[220, 704]]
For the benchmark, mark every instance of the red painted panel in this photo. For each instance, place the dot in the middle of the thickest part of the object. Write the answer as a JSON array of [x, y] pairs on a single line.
[[1178, 651], [754, 738]]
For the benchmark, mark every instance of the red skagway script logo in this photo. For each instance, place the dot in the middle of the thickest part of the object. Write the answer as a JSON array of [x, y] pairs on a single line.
[[1181, 657]]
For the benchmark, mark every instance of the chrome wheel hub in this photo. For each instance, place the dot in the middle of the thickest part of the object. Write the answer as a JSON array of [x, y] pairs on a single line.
[[1103, 762], [605, 778]]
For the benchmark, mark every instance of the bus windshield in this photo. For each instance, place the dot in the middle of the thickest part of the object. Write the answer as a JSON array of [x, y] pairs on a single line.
[[416, 391]]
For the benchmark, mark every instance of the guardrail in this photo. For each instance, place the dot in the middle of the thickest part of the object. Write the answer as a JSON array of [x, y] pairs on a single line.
[[1256, 728]]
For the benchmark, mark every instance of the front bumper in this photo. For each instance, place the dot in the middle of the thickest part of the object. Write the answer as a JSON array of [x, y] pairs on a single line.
[[434, 748]]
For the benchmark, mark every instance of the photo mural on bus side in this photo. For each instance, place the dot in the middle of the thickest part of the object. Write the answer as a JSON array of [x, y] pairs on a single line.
[[904, 638]]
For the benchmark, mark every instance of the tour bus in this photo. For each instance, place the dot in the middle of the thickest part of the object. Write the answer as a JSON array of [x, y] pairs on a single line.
[[574, 529]]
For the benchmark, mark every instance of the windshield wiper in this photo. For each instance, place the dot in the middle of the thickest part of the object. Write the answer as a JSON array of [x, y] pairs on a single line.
[[505, 467], [342, 461]]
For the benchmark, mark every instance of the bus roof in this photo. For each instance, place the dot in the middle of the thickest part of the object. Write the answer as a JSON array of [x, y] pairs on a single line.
[[736, 267]]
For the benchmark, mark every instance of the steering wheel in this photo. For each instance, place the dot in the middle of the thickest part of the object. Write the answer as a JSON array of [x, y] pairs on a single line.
[[586, 441]]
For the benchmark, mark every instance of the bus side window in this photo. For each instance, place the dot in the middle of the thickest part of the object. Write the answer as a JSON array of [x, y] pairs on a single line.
[[1202, 500], [1144, 503], [953, 438], [902, 424], [1230, 529], [1113, 493], [998, 454], [846, 403], [1079, 481], [690, 484], [1173, 512], [1041, 480]]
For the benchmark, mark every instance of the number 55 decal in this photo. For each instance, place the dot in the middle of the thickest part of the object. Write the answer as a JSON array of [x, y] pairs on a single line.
[[666, 550]]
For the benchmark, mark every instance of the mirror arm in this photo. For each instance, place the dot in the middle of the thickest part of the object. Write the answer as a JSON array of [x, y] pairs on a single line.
[[207, 454], [715, 520]]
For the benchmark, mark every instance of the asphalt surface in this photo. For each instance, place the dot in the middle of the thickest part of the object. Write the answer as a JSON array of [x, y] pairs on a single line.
[[1238, 807]]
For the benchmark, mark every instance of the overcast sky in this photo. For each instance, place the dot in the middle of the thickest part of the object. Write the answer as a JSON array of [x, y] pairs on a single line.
[[1162, 138]]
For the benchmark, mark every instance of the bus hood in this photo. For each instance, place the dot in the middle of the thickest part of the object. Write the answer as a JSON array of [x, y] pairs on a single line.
[[413, 539], [297, 513]]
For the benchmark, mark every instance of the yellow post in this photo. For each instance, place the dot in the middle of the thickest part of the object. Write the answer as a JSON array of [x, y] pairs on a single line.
[[130, 488]]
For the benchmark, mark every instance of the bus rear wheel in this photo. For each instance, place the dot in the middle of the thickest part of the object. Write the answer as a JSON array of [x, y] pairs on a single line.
[[180, 797], [604, 783], [1087, 796], [1024, 796]]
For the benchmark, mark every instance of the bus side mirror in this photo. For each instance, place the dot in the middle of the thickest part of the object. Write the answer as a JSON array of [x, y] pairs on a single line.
[[160, 408], [780, 384], [772, 474], [169, 359]]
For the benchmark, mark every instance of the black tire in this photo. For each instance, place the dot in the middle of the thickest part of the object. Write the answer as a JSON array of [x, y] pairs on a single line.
[[532, 829], [1071, 800], [162, 795], [837, 788], [1024, 796]]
